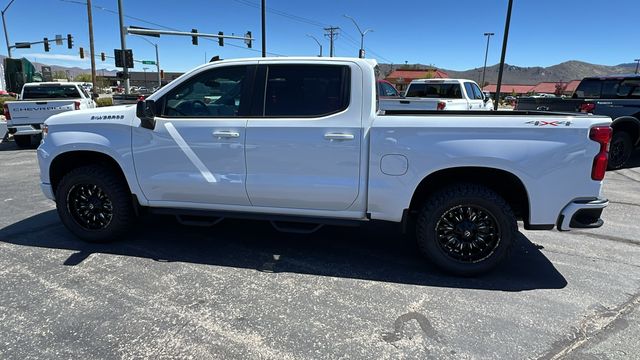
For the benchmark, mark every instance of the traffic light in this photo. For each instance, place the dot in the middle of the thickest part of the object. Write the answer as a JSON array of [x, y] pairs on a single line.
[[103, 57], [46, 44], [194, 39], [69, 41], [220, 38], [248, 41], [81, 53]]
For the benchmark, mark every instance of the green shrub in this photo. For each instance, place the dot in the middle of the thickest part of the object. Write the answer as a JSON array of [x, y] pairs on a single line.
[[105, 101]]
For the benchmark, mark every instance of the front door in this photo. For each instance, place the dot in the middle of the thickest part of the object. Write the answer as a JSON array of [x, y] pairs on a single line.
[[195, 154], [303, 147]]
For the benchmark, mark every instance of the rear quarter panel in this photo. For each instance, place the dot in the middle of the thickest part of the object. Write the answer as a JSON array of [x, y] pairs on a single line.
[[553, 162]]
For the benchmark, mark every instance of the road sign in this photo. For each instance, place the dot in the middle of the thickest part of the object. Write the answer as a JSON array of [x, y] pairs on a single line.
[[23, 45], [148, 62], [58, 39]]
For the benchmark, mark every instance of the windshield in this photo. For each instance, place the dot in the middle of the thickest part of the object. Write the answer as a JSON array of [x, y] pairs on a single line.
[[50, 92], [437, 90]]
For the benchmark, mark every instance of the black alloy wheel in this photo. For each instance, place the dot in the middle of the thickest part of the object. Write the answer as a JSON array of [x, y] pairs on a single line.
[[468, 233], [90, 206], [620, 150]]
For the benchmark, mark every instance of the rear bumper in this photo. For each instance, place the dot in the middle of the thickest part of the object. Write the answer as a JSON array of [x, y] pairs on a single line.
[[582, 214], [24, 129]]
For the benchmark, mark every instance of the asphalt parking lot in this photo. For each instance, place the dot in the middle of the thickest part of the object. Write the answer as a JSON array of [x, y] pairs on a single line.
[[242, 290]]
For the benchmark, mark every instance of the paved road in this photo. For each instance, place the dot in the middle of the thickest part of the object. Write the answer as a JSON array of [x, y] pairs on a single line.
[[242, 290]]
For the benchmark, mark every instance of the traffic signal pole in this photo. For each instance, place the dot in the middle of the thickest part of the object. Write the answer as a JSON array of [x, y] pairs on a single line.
[[123, 45], [94, 89]]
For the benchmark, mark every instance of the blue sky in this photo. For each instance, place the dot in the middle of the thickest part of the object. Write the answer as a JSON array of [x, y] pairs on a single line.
[[447, 34]]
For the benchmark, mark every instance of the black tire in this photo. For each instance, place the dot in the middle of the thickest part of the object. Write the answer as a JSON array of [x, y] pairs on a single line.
[[486, 237], [23, 141], [95, 204], [620, 150]]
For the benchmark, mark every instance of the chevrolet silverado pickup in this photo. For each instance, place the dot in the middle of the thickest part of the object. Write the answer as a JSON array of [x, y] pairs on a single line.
[[37, 102], [300, 140], [440, 94], [616, 96]]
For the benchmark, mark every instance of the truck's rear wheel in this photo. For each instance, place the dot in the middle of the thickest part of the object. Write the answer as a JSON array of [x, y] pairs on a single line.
[[620, 149], [466, 229], [94, 204], [23, 141]]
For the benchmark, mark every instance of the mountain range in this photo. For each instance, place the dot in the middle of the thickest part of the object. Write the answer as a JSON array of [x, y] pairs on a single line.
[[563, 72]]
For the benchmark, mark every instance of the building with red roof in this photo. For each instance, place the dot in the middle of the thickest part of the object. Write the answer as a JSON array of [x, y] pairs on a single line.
[[540, 88], [402, 77]]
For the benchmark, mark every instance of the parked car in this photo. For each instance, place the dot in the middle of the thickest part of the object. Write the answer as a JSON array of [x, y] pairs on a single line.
[[509, 98], [386, 90], [37, 102], [300, 140], [616, 96], [440, 94]]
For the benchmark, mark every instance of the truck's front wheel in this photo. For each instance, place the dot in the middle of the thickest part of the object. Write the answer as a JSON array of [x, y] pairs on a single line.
[[466, 229], [94, 204]]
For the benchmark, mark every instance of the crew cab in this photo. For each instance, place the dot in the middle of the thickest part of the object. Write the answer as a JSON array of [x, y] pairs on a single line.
[[616, 96], [440, 94], [300, 140], [37, 102]]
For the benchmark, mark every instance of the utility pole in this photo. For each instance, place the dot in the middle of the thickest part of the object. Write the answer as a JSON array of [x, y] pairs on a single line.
[[637, 63], [362, 34], [319, 44], [264, 35], [94, 88], [4, 25], [123, 45], [486, 53], [504, 53], [332, 34]]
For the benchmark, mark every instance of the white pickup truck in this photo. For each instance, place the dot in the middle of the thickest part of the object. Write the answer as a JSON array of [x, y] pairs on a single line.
[[440, 94], [37, 102], [300, 140]]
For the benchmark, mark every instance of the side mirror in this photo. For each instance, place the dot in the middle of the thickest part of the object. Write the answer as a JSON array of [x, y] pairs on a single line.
[[146, 112]]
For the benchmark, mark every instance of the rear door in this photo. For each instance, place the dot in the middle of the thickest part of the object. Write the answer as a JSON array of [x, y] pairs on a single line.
[[303, 144]]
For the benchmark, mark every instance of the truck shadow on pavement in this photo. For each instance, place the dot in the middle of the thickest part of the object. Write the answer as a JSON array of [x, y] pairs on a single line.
[[375, 252]]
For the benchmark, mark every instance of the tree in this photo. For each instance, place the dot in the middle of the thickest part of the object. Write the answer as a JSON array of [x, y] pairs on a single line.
[[560, 88], [82, 78], [59, 74]]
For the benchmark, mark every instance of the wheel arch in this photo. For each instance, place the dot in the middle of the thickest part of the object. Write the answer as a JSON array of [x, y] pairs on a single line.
[[503, 182], [67, 161], [628, 124]]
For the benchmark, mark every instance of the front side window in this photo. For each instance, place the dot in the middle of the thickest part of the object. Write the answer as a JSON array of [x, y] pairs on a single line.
[[213, 93], [388, 90], [589, 88], [629, 89], [306, 90], [477, 93]]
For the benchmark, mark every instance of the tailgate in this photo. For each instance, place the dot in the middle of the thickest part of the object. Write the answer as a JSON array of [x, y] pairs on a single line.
[[36, 112], [406, 104]]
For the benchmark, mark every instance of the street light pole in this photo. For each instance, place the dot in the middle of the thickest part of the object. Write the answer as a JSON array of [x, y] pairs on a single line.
[[362, 34], [504, 53], [486, 53], [94, 88], [4, 25], [637, 63], [123, 45], [319, 44], [157, 57], [145, 77], [264, 28]]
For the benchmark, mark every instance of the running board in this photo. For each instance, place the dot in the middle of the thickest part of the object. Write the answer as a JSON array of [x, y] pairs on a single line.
[[204, 221], [296, 227]]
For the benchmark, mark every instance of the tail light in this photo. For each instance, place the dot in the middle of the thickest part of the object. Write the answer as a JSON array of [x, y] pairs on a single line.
[[601, 135], [587, 107], [76, 105], [141, 98], [7, 115], [441, 105]]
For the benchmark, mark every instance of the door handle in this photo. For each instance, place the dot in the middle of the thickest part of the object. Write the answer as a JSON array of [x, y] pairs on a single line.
[[338, 136], [226, 134]]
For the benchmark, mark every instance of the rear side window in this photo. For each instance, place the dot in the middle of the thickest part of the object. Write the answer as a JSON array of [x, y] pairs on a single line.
[[306, 90], [589, 88], [50, 92], [435, 90], [629, 89]]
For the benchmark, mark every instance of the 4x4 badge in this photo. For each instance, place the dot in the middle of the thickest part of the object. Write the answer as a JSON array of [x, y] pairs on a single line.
[[550, 123]]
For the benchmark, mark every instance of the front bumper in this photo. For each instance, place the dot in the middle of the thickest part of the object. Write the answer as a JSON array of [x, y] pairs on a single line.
[[25, 130], [582, 214], [47, 191]]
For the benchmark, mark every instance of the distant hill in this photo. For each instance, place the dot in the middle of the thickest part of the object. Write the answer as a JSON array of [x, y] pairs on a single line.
[[566, 71]]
